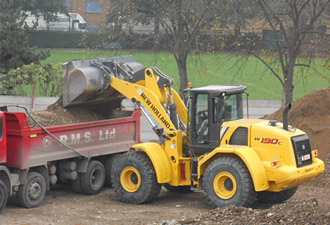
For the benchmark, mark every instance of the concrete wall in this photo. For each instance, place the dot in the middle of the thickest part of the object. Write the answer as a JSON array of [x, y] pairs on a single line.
[[257, 109], [39, 103]]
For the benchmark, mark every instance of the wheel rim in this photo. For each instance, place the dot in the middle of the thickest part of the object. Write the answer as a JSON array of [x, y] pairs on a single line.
[[96, 178], [34, 190], [224, 185], [130, 179]]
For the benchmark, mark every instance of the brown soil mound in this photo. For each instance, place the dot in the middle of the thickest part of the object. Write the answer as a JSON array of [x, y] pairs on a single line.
[[57, 115], [306, 212], [311, 114]]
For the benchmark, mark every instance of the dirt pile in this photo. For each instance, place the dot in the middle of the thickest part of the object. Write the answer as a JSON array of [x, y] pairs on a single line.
[[311, 114], [57, 115], [305, 212]]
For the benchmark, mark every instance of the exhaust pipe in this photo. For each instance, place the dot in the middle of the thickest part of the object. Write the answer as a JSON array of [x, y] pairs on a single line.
[[285, 116]]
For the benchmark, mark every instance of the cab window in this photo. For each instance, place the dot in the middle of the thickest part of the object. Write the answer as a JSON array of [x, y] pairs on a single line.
[[227, 108]]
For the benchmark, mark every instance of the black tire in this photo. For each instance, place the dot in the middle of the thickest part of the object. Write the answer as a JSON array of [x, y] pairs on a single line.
[[227, 181], [92, 181], [76, 184], [178, 189], [33, 192], [108, 169], [134, 178], [276, 197], [3, 195]]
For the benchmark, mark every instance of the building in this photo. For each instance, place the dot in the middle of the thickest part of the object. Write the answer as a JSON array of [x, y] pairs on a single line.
[[93, 11]]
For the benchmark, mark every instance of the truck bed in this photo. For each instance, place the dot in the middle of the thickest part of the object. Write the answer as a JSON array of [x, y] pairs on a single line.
[[29, 147]]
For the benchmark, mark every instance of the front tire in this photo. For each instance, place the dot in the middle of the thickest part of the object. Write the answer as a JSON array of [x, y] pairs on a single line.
[[227, 181], [134, 178], [33, 192], [276, 197], [3, 195]]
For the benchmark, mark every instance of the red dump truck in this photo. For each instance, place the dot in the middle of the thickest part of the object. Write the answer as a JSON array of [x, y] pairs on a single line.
[[34, 159]]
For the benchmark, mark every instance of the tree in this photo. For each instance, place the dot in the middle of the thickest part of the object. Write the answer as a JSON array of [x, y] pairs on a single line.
[[297, 23], [14, 48], [180, 26], [238, 13]]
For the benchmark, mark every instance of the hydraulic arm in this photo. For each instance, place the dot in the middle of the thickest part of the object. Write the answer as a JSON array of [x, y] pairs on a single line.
[[100, 80]]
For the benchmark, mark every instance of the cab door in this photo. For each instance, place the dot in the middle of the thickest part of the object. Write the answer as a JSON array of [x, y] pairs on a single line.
[[203, 132], [3, 140]]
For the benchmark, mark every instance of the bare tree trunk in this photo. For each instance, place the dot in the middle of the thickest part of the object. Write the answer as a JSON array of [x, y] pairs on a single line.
[[156, 26], [182, 65]]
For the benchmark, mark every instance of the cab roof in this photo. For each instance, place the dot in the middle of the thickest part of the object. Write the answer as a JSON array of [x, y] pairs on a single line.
[[228, 89]]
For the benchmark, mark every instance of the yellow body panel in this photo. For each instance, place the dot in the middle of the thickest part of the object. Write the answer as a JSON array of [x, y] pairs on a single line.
[[181, 108], [273, 144], [159, 160], [247, 155], [285, 177]]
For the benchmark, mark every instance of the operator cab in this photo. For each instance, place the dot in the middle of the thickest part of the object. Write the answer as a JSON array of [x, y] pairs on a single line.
[[208, 107]]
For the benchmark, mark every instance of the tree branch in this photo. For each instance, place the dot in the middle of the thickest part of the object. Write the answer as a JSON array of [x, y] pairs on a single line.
[[270, 68]]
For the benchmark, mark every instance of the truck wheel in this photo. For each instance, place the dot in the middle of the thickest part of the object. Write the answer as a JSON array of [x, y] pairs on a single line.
[[134, 178], [276, 197], [177, 189], [92, 181], [108, 168], [3, 195], [227, 181], [76, 184], [32, 193]]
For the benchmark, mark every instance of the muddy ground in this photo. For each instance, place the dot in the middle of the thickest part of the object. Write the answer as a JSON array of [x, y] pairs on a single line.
[[310, 205]]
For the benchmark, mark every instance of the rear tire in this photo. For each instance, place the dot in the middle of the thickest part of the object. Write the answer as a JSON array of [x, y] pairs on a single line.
[[178, 189], [3, 195], [92, 181], [33, 192], [276, 197], [227, 181], [76, 184], [134, 178], [108, 168]]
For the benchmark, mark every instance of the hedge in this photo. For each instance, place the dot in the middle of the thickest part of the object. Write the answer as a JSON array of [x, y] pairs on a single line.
[[95, 39], [56, 39]]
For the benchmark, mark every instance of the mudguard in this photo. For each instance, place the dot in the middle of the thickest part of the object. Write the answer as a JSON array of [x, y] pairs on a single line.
[[159, 160], [247, 155]]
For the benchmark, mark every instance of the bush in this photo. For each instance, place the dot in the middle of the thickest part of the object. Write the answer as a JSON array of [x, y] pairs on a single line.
[[47, 80], [55, 39]]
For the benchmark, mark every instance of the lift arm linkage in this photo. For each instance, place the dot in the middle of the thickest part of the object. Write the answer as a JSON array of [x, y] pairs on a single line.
[[149, 95]]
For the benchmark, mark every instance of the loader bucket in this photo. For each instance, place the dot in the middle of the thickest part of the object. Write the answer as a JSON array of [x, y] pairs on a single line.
[[87, 81]]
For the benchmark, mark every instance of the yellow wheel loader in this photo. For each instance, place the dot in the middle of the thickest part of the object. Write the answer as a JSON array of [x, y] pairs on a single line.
[[204, 142]]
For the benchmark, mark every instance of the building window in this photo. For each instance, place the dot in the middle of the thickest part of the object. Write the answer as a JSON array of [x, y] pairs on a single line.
[[93, 27], [93, 7]]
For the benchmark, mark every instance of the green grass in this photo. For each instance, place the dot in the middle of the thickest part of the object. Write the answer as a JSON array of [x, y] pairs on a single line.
[[219, 69]]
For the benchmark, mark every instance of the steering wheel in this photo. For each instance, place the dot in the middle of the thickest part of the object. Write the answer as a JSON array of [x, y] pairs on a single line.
[[203, 114]]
